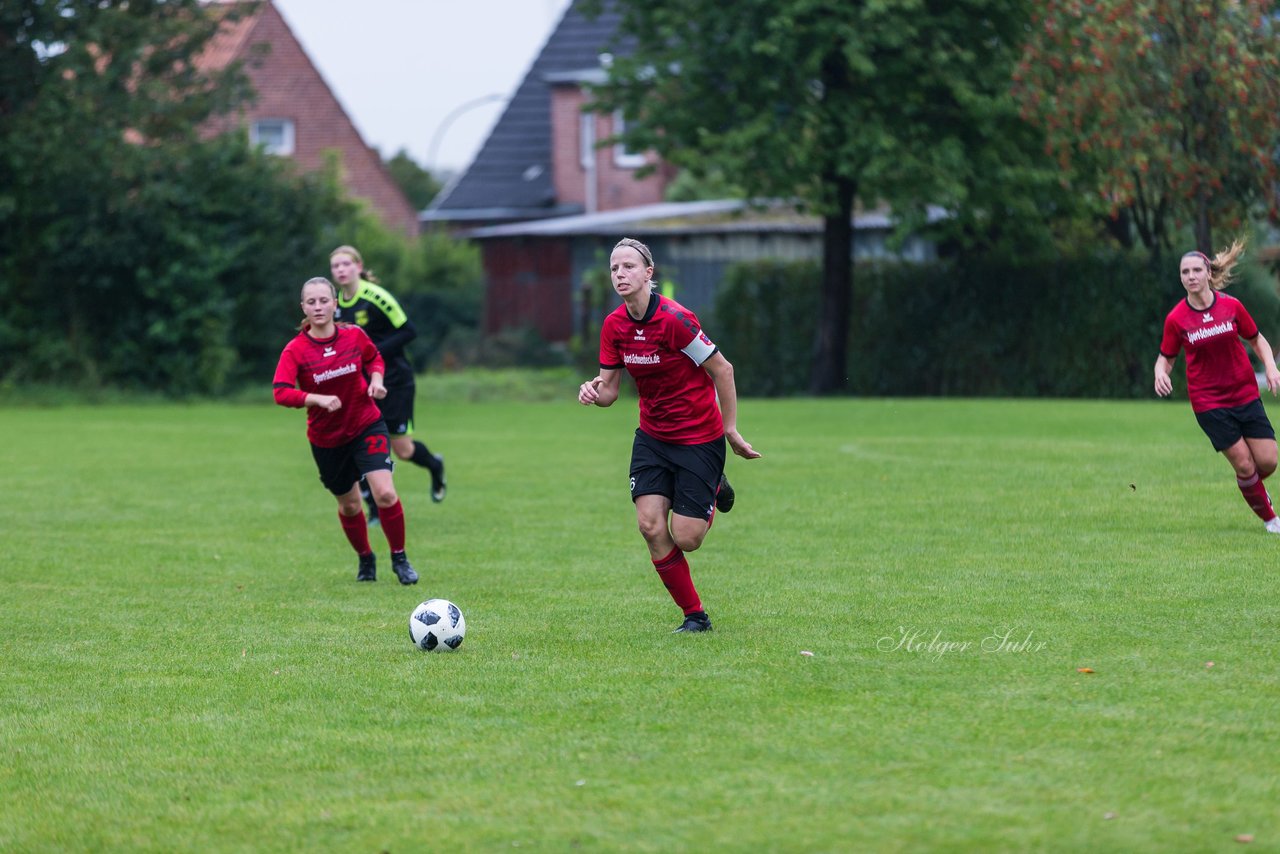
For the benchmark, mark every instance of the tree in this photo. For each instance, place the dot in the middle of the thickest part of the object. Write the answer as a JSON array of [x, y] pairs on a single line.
[[1164, 110], [418, 185], [827, 102], [132, 251], [98, 92]]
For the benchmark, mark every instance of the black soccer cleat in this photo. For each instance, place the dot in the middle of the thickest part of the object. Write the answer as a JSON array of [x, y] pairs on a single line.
[[368, 568], [698, 621], [724, 495], [438, 484], [403, 569]]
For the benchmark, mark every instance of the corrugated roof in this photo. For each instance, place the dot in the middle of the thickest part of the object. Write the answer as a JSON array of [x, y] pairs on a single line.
[[512, 172], [719, 217]]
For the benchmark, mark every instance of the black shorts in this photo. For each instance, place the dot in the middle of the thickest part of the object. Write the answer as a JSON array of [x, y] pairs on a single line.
[[397, 409], [687, 474], [1230, 424], [342, 466]]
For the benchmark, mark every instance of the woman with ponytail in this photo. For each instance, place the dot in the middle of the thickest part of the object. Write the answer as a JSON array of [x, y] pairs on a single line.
[[1221, 382]]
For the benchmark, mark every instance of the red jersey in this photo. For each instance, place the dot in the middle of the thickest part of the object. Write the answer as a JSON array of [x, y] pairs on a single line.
[[336, 365], [1219, 373], [664, 352]]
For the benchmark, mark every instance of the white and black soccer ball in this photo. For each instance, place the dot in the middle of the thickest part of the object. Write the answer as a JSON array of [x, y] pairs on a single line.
[[437, 626]]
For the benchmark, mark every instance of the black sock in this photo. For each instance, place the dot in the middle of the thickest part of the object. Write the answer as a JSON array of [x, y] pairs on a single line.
[[422, 456]]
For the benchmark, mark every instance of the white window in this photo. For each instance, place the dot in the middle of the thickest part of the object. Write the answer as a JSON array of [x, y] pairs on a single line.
[[622, 156], [275, 135]]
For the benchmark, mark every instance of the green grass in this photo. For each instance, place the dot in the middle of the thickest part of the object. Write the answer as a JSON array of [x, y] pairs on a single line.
[[187, 663]]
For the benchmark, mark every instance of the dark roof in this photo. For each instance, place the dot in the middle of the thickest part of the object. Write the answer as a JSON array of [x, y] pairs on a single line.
[[511, 176]]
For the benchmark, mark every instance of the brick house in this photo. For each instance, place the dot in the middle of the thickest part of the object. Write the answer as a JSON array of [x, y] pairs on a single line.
[[541, 160], [545, 203], [296, 114]]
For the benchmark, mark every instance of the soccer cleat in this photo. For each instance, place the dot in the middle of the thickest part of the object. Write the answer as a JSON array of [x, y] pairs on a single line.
[[403, 569], [438, 485], [724, 495], [698, 621], [368, 568], [1273, 525]]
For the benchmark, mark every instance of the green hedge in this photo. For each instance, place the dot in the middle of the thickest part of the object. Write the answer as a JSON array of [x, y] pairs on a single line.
[[1067, 327]]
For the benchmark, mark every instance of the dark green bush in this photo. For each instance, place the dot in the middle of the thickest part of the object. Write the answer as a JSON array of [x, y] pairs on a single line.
[[1062, 327], [765, 320]]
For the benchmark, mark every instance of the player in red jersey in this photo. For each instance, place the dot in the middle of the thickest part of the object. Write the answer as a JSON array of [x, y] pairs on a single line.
[[1221, 382], [323, 369], [677, 459]]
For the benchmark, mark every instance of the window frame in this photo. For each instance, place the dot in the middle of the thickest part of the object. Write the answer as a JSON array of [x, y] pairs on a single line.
[[288, 136]]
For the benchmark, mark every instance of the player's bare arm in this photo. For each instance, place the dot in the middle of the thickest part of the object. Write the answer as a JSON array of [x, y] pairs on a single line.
[[1164, 385], [601, 390], [376, 389], [1263, 351], [721, 372]]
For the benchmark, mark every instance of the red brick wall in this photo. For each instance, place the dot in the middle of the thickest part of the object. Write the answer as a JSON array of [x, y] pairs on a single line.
[[290, 87], [616, 186], [567, 175]]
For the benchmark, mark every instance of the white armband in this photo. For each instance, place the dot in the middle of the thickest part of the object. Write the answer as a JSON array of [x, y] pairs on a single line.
[[700, 348]]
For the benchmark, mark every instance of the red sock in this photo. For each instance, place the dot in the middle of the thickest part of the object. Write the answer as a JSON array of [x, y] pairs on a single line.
[[674, 572], [393, 525], [357, 531], [1255, 494]]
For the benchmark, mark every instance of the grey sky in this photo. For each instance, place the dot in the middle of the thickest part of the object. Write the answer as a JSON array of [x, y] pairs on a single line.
[[418, 74]]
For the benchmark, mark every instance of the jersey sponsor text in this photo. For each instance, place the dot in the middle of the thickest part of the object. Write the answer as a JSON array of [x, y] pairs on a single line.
[[335, 372], [1210, 331]]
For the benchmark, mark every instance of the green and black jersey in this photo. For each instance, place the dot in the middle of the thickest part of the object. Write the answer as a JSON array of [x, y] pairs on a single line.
[[377, 312]]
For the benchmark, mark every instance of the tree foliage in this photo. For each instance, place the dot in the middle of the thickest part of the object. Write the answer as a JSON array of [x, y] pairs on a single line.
[[418, 184], [826, 102], [1164, 109], [138, 252]]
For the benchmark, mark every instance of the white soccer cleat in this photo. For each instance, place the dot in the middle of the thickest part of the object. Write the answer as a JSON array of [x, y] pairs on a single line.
[[1273, 525]]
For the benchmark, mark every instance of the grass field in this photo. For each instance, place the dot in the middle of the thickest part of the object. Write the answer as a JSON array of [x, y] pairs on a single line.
[[187, 664]]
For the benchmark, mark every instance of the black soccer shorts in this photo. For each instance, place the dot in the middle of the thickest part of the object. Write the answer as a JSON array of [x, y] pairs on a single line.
[[687, 474], [397, 409], [342, 466], [1229, 424]]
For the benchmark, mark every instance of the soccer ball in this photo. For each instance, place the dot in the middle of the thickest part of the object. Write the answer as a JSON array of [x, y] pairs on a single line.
[[437, 626]]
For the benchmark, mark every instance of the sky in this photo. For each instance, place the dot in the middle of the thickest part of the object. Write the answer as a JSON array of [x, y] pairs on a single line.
[[426, 76]]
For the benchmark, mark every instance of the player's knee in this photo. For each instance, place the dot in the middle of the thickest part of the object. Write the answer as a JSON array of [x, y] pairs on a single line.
[[651, 527], [689, 542], [688, 534]]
